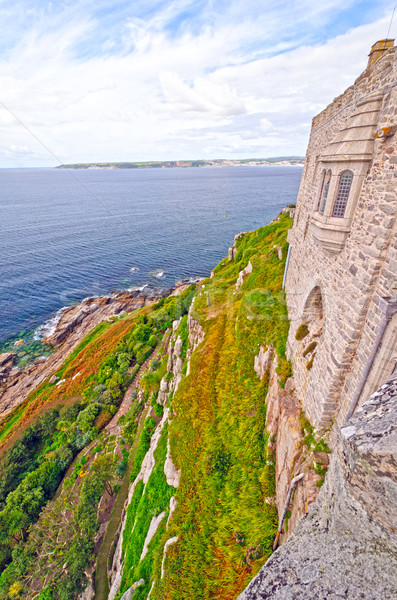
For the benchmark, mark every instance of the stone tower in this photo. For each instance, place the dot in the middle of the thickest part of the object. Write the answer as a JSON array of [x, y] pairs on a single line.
[[341, 278]]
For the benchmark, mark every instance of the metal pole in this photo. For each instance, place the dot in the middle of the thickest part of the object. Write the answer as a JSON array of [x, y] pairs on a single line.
[[288, 500]]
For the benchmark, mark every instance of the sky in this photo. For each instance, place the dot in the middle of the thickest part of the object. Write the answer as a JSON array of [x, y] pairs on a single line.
[[141, 80]]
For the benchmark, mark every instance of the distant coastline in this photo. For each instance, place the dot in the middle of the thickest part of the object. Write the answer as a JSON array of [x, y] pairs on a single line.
[[277, 161]]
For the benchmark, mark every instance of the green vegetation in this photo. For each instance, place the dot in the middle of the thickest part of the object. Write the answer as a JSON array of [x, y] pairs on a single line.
[[302, 332], [148, 501], [311, 440], [224, 523], [309, 348], [96, 374], [225, 520]]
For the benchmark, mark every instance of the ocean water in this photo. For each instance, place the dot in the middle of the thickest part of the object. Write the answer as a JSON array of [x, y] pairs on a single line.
[[66, 235]]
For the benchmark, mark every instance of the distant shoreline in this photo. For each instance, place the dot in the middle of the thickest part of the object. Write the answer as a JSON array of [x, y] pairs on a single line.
[[279, 161]]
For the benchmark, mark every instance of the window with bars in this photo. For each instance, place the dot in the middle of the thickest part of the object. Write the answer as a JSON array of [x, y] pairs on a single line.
[[345, 182]]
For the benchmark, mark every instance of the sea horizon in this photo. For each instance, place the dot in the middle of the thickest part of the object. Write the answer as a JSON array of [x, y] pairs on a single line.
[[122, 229]]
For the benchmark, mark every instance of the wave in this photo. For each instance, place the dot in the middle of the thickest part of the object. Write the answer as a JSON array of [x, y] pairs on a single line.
[[49, 327], [138, 288], [157, 273]]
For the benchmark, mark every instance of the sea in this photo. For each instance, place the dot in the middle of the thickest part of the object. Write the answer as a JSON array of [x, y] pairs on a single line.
[[70, 234]]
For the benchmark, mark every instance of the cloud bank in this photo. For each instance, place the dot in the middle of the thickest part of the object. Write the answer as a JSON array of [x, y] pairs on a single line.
[[84, 81]]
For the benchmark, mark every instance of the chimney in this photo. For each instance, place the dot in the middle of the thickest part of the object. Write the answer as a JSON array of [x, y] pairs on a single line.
[[378, 49]]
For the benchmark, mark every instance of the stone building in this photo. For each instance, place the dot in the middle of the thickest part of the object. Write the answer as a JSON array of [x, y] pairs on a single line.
[[341, 276]]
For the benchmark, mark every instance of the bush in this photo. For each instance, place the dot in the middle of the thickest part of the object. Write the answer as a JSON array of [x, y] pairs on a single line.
[[158, 410], [309, 349], [121, 468], [302, 332]]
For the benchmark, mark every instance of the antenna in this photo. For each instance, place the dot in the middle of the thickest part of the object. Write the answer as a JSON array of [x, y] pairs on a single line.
[[391, 21]]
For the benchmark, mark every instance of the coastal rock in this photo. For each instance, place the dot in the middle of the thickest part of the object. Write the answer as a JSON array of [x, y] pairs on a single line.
[[175, 325], [6, 364], [231, 255], [283, 413], [154, 525], [163, 393], [173, 505], [279, 252], [170, 359], [178, 366], [73, 325], [196, 332]]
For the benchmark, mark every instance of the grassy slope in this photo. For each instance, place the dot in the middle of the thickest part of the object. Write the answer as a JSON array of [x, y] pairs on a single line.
[[224, 523], [123, 345]]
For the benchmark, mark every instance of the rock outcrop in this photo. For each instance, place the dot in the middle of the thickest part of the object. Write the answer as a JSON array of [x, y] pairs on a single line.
[[286, 447], [6, 364], [346, 546], [242, 275], [263, 360], [74, 324]]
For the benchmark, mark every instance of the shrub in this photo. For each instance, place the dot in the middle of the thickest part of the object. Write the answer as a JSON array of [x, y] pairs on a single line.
[[309, 348], [302, 332], [158, 410], [121, 468]]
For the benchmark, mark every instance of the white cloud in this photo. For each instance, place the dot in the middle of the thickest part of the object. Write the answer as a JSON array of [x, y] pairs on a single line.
[[232, 80], [203, 96]]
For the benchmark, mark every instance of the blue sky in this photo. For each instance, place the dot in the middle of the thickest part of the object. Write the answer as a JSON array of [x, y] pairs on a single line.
[[96, 80]]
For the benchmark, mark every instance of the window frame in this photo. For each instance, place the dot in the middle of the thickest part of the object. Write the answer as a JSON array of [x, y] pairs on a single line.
[[342, 195]]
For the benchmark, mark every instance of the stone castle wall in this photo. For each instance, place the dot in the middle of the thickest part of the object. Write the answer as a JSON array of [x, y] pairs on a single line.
[[339, 269]]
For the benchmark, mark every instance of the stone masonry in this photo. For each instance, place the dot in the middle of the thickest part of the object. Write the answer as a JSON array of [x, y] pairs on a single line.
[[342, 266]]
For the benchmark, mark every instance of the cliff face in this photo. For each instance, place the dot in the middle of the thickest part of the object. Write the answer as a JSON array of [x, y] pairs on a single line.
[[346, 546]]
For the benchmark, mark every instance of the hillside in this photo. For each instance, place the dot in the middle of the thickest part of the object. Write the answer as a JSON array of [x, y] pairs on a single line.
[[175, 164], [181, 375]]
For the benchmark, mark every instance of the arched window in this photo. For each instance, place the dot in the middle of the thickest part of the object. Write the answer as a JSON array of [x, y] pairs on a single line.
[[345, 182], [323, 200]]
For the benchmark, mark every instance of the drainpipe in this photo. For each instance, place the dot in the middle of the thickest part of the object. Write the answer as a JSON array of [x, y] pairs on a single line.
[[389, 307], [288, 500], [286, 266]]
